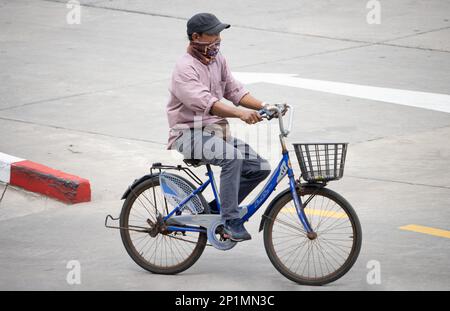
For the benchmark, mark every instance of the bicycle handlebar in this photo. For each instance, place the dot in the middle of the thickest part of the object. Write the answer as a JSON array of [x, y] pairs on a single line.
[[278, 110]]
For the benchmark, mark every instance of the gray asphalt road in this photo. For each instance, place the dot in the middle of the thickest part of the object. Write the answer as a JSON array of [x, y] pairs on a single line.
[[89, 99]]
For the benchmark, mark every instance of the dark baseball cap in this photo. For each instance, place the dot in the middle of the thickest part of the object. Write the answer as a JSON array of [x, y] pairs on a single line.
[[205, 23]]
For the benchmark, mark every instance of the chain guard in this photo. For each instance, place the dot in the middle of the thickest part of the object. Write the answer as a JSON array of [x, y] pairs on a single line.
[[216, 239]]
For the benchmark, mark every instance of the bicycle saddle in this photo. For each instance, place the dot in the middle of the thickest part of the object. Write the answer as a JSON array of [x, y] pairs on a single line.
[[193, 162]]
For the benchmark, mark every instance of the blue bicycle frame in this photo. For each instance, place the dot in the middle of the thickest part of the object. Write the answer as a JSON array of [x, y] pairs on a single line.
[[284, 168]]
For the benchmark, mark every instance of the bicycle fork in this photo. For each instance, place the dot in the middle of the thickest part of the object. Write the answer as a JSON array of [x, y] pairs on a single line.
[[299, 206]]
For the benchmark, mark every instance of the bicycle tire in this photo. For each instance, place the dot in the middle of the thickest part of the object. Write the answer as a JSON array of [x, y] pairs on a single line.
[[356, 231], [134, 253]]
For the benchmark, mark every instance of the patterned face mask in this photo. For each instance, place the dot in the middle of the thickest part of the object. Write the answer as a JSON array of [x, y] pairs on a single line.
[[204, 51]]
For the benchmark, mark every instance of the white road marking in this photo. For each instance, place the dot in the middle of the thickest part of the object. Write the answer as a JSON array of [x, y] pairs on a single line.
[[5, 166], [431, 101]]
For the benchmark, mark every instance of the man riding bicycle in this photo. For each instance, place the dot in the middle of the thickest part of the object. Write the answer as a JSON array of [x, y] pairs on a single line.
[[197, 119]]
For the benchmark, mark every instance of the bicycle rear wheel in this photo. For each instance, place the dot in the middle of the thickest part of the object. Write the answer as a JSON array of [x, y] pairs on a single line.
[[158, 252], [321, 260]]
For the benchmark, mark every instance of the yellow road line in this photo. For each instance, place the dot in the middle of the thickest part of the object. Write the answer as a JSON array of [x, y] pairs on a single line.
[[308, 212], [427, 230]]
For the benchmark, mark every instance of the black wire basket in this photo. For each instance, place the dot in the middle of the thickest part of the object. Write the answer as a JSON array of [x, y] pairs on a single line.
[[321, 162]]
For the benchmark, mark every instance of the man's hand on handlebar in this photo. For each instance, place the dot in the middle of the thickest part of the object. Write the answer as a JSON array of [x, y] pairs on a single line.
[[250, 116], [268, 112], [272, 111]]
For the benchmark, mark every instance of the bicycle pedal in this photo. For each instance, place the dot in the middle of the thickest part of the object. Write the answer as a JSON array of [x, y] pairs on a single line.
[[227, 236]]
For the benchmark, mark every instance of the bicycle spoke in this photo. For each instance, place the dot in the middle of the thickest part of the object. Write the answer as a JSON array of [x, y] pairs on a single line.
[[326, 211], [142, 203], [335, 223], [289, 247], [298, 248], [328, 231], [304, 256], [325, 251], [290, 226], [333, 246], [318, 257], [286, 240]]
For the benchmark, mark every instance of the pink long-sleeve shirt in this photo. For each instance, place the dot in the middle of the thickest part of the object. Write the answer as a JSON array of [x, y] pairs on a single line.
[[194, 88]]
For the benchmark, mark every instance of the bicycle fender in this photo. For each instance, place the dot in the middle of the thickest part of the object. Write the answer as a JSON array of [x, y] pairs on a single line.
[[137, 182], [278, 197]]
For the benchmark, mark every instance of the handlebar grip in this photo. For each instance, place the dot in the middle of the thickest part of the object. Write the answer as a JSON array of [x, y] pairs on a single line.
[[267, 113], [281, 108]]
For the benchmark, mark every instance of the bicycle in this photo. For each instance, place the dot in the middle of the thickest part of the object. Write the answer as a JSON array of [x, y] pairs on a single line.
[[312, 235]]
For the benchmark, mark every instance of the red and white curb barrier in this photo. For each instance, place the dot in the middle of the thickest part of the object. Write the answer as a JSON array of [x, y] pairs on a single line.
[[39, 178]]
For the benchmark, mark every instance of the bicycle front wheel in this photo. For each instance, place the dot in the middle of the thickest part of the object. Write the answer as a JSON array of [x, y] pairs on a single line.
[[321, 260]]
